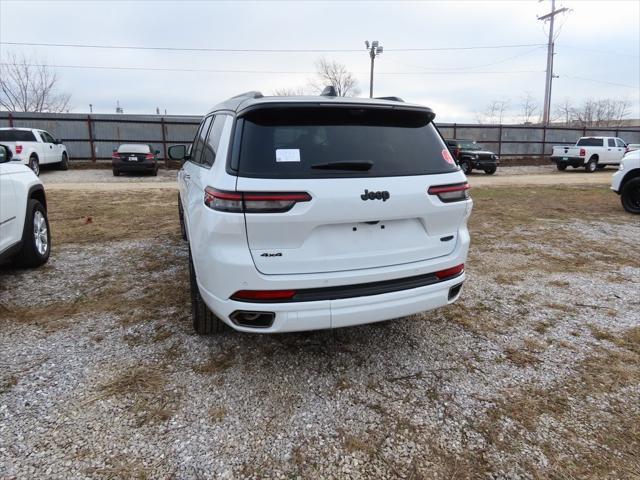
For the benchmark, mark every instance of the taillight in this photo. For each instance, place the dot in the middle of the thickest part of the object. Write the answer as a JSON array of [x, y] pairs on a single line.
[[18, 148], [115, 155], [450, 272], [583, 152], [256, 202], [626, 150], [263, 295], [149, 156], [451, 193]]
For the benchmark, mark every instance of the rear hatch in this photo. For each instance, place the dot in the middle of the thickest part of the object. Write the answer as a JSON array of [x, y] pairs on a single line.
[[367, 172]]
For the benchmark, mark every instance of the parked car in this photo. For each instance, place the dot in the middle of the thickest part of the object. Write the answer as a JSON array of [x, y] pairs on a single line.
[[134, 157], [626, 182], [25, 238], [590, 152], [34, 147], [470, 154], [306, 213]]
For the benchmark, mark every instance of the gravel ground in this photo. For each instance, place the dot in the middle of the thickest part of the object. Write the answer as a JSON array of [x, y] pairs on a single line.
[[102, 376]]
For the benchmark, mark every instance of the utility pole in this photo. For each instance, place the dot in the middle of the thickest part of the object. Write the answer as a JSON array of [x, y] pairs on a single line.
[[90, 108], [550, 48], [374, 49]]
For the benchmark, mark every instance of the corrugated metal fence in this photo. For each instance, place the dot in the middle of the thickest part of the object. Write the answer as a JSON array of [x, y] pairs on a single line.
[[95, 136]]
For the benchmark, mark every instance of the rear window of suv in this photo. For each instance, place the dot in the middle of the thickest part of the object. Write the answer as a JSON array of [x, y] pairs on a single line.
[[17, 136], [589, 142], [304, 142]]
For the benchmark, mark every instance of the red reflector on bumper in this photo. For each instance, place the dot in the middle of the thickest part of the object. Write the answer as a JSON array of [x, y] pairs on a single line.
[[450, 272], [263, 295]]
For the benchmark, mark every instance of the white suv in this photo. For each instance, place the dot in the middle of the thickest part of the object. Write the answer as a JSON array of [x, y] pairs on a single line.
[[24, 229], [307, 213]]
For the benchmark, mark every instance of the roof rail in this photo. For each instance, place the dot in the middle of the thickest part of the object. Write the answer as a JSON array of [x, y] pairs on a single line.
[[251, 94], [329, 91], [394, 99]]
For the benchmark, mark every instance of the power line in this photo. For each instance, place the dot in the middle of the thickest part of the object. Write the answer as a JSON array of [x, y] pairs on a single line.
[[204, 70], [261, 50], [636, 87]]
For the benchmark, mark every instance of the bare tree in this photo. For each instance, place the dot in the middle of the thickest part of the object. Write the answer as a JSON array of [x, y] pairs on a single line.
[[564, 111], [27, 86], [289, 92], [605, 112], [529, 106], [495, 110], [337, 75]]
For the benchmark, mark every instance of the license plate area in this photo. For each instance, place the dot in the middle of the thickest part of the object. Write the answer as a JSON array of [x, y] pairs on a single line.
[[133, 158]]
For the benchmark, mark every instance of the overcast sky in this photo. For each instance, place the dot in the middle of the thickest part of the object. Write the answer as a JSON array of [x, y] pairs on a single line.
[[597, 50]]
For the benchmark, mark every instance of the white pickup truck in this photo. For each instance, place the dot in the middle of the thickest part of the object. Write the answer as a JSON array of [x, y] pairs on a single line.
[[590, 152], [34, 147]]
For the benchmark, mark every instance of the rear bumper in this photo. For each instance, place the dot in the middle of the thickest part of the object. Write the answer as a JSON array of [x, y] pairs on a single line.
[[124, 166], [570, 161], [301, 316]]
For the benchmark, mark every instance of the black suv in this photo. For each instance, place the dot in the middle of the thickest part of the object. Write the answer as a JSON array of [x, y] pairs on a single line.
[[469, 155]]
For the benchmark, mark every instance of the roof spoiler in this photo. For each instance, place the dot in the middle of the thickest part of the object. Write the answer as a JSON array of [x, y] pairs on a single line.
[[393, 99]]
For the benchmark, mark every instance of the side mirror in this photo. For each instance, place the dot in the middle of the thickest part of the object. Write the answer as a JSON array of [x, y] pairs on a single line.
[[178, 152], [56, 141], [157, 152], [5, 154]]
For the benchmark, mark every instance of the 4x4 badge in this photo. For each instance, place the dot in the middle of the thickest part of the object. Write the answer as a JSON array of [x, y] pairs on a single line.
[[367, 195]]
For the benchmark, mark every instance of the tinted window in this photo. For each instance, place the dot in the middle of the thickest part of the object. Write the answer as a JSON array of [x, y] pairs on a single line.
[[289, 143], [620, 143], [589, 142], [213, 140], [46, 138], [17, 136], [470, 146], [612, 142], [196, 150]]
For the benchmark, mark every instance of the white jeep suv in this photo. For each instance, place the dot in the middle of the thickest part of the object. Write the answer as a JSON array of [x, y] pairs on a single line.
[[307, 213], [24, 228]]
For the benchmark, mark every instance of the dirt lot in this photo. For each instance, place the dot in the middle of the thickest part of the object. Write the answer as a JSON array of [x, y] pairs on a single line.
[[534, 373]]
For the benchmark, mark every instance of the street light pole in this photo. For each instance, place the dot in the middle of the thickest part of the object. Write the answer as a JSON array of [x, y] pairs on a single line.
[[374, 49]]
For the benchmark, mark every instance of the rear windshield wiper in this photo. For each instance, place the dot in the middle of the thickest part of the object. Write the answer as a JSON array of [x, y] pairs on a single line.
[[358, 166]]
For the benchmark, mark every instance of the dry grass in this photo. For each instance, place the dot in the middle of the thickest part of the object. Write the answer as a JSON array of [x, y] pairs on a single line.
[[121, 215], [608, 449], [216, 363]]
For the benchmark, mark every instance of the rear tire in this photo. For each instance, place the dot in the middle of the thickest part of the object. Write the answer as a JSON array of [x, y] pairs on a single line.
[[116, 172], [64, 163], [36, 237], [155, 172], [34, 164], [561, 166], [591, 165], [204, 321], [490, 170], [630, 196], [466, 167]]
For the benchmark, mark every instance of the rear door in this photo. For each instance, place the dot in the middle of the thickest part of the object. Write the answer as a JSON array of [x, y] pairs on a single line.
[[367, 172]]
